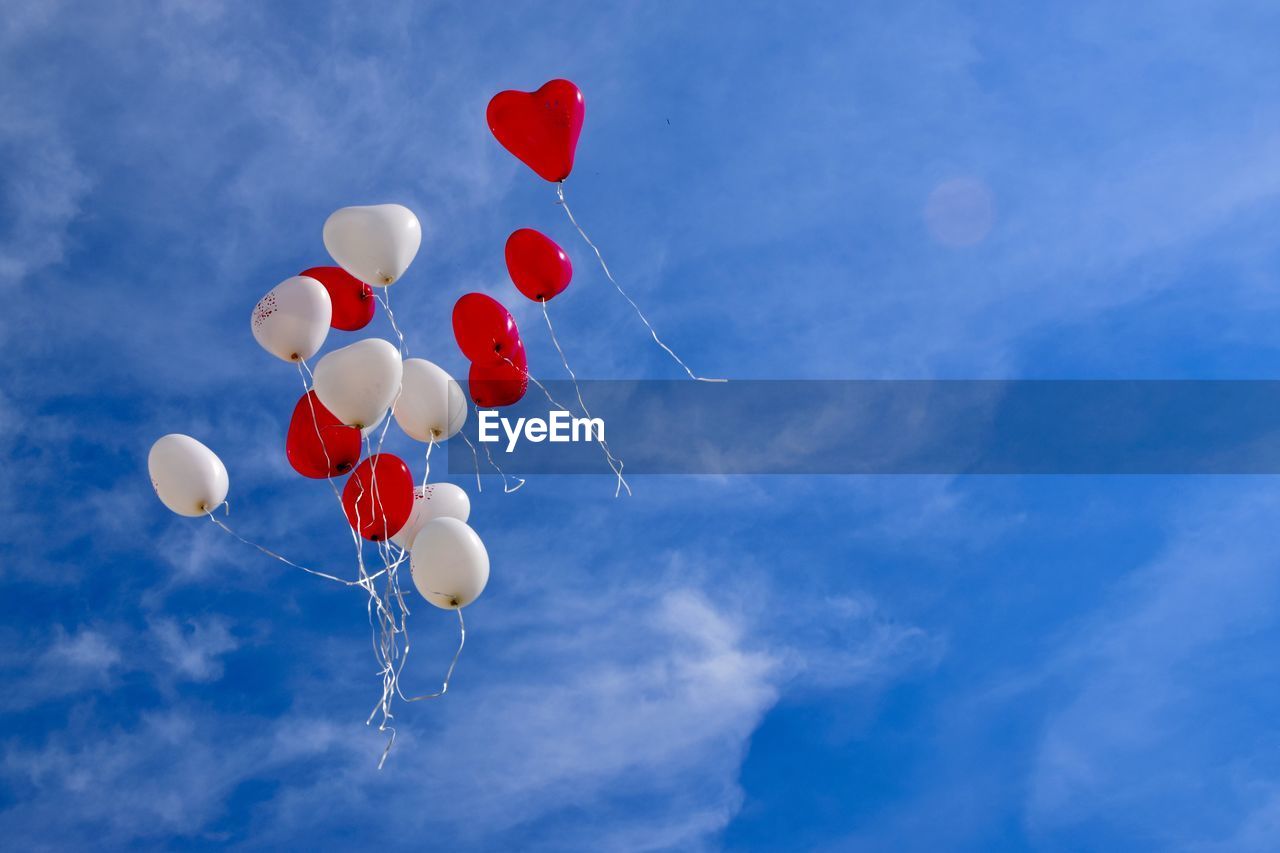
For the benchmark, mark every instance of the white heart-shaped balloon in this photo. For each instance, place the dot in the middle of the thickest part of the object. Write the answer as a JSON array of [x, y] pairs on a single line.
[[450, 565], [292, 321], [188, 477], [431, 406], [375, 243], [432, 501], [359, 382]]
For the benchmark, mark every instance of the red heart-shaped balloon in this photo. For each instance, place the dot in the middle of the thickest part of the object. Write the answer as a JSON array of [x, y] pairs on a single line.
[[540, 128], [538, 267], [378, 497], [484, 329], [499, 384], [352, 299], [318, 444]]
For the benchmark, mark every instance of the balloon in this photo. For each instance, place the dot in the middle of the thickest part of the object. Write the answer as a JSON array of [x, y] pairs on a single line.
[[540, 128], [378, 497], [430, 406], [292, 321], [435, 500], [500, 384], [485, 331], [374, 427], [359, 382], [375, 243], [352, 299], [189, 478], [318, 444], [449, 564], [538, 267], [516, 357]]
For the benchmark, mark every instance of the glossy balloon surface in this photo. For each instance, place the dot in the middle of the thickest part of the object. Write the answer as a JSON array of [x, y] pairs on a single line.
[[292, 320], [538, 267], [374, 242], [449, 563], [353, 302], [317, 444], [485, 330], [359, 382], [431, 406], [540, 128], [188, 477], [378, 497], [500, 384], [432, 501]]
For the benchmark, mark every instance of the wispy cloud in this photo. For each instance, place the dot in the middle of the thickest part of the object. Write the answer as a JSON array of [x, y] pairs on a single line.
[[639, 711]]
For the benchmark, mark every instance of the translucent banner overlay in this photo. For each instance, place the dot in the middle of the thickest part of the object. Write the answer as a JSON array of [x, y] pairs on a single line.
[[973, 427]]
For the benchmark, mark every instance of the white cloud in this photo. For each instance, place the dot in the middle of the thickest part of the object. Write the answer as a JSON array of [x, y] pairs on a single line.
[[39, 668], [193, 651], [638, 713]]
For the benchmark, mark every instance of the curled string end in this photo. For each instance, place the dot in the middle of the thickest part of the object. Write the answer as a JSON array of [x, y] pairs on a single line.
[[386, 607], [448, 676]]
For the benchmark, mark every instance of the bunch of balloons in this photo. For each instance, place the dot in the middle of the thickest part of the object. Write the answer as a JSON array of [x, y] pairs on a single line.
[[541, 128], [348, 396], [332, 428]]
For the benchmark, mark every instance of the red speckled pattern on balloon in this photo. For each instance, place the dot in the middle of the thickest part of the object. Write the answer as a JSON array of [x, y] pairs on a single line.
[[264, 309]]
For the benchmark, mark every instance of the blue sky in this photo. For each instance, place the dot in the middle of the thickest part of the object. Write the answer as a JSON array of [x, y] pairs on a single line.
[[823, 663]]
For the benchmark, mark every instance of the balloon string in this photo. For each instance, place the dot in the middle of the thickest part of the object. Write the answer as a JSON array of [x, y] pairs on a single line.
[[444, 687], [475, 459], [426, 461], [385, 623], [386, 608], [507, 488], [304, 372], [385, 299], [561, 201], [614, 463], [286, 561], [387, 645]]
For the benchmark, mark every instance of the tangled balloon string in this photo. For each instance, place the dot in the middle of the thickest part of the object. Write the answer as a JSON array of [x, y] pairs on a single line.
[[386, 607], [387, 610]]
